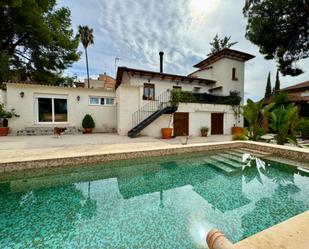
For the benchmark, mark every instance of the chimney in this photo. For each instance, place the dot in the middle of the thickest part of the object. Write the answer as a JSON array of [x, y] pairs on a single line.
[[161, 61]]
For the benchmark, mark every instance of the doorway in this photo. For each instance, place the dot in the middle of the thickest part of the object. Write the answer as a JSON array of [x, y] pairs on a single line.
[[181, 124], [217, 123]]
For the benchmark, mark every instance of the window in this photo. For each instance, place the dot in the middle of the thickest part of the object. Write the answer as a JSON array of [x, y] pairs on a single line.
[[94, 101], [109, 101], [149, 92], [177, 88], [101, 101], [196, 89], [234, 77], [52, 110]]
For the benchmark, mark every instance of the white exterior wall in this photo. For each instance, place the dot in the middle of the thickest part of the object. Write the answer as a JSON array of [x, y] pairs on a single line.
[[161, 86], [221, 72], [154, 129], [130, 94], [2, 97], [104, 116], [200, 115]]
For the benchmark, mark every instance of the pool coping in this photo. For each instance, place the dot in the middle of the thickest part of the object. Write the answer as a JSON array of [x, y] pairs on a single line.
[[289, 234], [78, 159]]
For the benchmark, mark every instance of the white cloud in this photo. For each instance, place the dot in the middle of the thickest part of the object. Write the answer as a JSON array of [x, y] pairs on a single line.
[[136, 30]]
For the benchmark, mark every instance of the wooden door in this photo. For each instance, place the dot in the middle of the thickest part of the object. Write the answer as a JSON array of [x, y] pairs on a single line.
[[217, 123], [181, 124]]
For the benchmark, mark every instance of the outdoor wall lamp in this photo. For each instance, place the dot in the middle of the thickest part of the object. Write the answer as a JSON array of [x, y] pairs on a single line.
[[78, 98], [22, 94]]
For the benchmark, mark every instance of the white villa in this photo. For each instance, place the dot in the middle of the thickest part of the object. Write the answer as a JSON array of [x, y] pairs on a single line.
[[139, 104]]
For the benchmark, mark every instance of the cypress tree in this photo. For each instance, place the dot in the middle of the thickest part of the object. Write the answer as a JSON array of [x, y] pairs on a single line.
[[268, 87], [277, 85]]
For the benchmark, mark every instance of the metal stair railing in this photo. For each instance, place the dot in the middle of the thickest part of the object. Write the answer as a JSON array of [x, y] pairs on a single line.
[[159, 103]]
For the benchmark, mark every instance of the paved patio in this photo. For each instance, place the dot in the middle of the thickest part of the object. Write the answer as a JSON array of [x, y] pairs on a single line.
[[20, 148]]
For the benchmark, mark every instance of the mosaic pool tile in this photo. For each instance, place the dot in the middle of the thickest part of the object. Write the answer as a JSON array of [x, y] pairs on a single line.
[[162, 202]]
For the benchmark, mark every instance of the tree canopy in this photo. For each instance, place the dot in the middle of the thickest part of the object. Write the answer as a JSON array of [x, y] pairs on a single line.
[[281, 30], [86, 38], [37, 41], [219, 44], [86, 35]]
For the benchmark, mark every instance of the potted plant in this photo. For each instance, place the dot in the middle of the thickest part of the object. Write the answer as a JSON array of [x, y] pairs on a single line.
[[204, 131], [167, 132], [4, 116], [88, 124]]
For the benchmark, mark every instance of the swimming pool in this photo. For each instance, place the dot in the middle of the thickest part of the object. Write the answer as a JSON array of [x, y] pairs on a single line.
[[168, 202]]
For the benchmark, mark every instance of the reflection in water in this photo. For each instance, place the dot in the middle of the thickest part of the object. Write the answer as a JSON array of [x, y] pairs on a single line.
[[163, 202], [199, 230], [32, 214]]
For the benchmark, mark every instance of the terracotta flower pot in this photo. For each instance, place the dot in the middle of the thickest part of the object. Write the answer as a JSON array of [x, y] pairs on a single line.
[[4, 131], [204, 134], [87, 130], [237, 130], [167, 133]]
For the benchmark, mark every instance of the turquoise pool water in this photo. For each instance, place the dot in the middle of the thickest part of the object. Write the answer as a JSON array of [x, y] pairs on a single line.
[[168, 202]]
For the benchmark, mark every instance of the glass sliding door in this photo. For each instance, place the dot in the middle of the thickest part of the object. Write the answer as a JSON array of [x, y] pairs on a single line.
[[60, 110], [52, 110], [45, 110]]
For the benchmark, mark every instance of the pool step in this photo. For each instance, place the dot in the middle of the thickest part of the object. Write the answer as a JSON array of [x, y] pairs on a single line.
[[225, 165], [238, 158], [234, 153], [227, 161], [252, 152], [220, 166]]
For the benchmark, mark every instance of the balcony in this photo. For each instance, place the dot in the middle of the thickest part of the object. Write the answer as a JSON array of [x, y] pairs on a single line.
[[178, 96]]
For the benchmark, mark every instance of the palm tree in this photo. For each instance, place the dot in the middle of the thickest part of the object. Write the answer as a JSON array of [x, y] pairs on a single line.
[[219, 44], [255, 113], [86, 37], [282, 120]]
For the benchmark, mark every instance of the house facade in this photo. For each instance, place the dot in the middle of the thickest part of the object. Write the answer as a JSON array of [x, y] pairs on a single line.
[[41, 106], [140, 101]]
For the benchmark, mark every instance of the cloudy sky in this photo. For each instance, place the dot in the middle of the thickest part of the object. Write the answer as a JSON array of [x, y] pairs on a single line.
[[136, 30]]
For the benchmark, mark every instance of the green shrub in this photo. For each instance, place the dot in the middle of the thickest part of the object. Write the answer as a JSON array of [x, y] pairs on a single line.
[[88, 122], [240, 137], [178, 96], [204, 129], [7, 114], [303, 127]]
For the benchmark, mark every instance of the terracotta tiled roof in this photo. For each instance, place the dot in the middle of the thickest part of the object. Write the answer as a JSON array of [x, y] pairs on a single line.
[[225, 53], [303, 85], [162, 76]]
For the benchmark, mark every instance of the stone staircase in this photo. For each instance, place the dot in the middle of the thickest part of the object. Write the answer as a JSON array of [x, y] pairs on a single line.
[[46, 131]]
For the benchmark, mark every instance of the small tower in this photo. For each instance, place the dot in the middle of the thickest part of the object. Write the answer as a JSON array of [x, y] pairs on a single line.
[[227, 68]]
